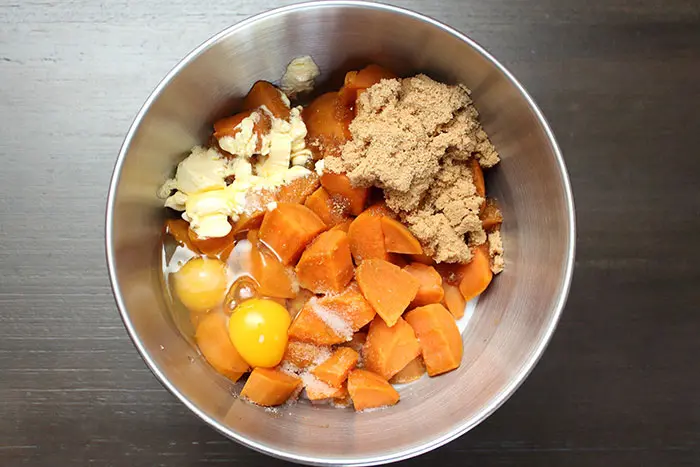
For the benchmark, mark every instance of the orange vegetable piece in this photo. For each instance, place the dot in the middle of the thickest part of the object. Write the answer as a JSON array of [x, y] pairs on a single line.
[[397, 259], [273, 277], [335, 370], [389, 349], [351, 306], [454, 301], [332, 211], [388, 288], [357, 81], [344, 226], [491, 217], [299, 189], [440, 341], [339, 185], [319, 390], [476, 274], [309, 327], [367, 238], [288, 229], [264, 93], [326, 265], [269, 387], [229, 126], [478, 177], [256, 202], [411, 372], [212, 246], [179, 229], [398, 239], [327, 128], [430, 290], [303, 354], [214, 343], [349, 310], [369, 390], [381, 209]]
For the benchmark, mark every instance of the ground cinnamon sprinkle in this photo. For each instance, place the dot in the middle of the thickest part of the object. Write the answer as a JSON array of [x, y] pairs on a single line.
[[413, 138]]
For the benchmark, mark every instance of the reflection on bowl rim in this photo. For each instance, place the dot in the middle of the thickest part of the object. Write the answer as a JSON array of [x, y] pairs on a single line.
[[429, 444]]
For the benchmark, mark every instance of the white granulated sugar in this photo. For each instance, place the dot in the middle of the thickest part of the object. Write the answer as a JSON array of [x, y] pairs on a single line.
[[323, 354], [339, 325], [310, 381], [289, 368]]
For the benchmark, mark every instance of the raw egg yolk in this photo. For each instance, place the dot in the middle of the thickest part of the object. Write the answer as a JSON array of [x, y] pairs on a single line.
[[258, 329], [201, 284]]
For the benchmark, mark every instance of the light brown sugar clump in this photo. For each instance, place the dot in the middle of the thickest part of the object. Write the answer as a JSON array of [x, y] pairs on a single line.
[[413, 138]]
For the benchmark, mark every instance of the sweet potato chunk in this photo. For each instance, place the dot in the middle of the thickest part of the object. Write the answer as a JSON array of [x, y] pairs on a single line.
[[398, 239], [335, 370], [264, 93], [440, 341], [369, 390], [318, 390], [214, 246], [288, 229], [389, 349], [490, 215], [269, 387], [327, 128], [347, 311], [476, 274], [214, 343], [344, 226], [411, 372], [229, 126], [326, 265], [179, 229], [274, 278], [299, 189], [357, 81], [338, 185], [308, 326], [430, 290], [332, 211], [367, 238], [381, 209], [478, 177], [423, 259], [303, 354], [256, 202], [388, 288], [453, 300]]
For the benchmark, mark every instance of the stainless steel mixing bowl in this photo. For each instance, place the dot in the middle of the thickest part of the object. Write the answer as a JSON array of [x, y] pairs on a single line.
[[513, 321]]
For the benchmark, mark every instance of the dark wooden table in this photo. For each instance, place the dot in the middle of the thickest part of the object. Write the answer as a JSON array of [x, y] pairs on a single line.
[[620, 82]]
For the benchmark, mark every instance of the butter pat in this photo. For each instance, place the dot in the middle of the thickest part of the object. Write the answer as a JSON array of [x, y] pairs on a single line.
[[299, 76]]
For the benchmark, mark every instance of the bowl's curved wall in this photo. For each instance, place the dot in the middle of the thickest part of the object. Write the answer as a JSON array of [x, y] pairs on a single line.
[[514, 319]]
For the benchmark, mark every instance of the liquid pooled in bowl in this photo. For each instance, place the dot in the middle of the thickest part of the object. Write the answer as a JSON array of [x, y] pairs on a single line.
[[327, 252]]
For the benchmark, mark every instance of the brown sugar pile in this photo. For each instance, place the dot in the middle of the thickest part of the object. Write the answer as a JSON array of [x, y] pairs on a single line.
[[414, 138]]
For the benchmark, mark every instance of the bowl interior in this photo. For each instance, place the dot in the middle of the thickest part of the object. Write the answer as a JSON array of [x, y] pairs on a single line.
[[513, 320]]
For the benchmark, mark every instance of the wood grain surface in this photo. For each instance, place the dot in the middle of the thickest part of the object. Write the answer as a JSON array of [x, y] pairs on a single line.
[[619, 81]]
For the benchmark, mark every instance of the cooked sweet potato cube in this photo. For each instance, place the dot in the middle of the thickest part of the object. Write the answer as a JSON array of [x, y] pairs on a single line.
[[265, 94], [339, 185], [326, 264], [332, 211], [269, 387], [440, 340], [388, 288], [366, 238], [398, 239], [335, 370], [214, 343], [389, 349], [288, 229], [430, 289], [369, 390]]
